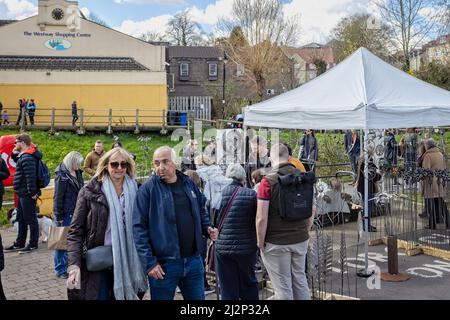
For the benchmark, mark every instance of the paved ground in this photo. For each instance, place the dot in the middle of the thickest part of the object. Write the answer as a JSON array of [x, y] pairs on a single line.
[[31, 276]]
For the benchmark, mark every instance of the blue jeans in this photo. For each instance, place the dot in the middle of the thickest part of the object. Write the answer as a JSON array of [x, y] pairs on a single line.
[[237, 277], [60, 256], [186, 273]]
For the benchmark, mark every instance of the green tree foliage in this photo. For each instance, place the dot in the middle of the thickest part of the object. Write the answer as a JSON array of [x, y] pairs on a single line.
[[437, 73], [353, 32], [233, 104], [321, 66]]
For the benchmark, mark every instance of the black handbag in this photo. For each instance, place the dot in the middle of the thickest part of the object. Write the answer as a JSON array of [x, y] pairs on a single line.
[[99, 258]]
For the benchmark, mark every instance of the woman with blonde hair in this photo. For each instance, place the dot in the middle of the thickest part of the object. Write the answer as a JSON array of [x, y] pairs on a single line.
[[68, 182], [102, 223]]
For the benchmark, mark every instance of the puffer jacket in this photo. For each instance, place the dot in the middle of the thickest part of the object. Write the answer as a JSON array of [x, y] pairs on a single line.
[[87, 230], [66, 192], [238, 234], [25, 178]]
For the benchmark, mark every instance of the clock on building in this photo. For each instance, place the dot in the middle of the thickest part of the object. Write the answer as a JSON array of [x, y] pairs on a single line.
[[58, 14]]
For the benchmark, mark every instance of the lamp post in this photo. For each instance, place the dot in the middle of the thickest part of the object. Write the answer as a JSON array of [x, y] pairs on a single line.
[[225, 60]]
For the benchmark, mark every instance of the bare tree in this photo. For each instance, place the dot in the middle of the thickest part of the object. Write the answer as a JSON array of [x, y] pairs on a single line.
[[412, 21], [357, 31], [183, 31], [151, 36], [95, 18], [256, 32]]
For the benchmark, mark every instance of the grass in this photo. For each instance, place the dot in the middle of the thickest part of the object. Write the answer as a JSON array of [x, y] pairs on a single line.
[[55, 147]]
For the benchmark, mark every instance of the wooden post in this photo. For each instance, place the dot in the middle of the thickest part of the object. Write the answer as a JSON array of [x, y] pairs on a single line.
[[81, 130], [163, 124], [109, 131], [136, 130], [22, 120], [392, 255], [52, 124]]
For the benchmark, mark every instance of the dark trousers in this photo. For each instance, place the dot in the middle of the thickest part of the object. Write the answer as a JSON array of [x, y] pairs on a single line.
[[26, 216], [2, 293], [74, 119], [354, 162], [1, 200], [237, 277], [106, 288], [436, 209], [31, 119]]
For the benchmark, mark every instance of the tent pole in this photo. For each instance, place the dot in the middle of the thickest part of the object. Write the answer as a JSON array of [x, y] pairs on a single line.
[[365, 147]]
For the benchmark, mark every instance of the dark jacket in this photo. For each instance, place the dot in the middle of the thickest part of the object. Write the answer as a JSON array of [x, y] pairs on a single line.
[[154, 221], [374, 177], [2, 256], [255, 162], [4, 174], [238, 234], [66, 192], [350, 147], [310, 149], [74, 109], [25, 178], [390, 151], [31, 108], [87, 230]]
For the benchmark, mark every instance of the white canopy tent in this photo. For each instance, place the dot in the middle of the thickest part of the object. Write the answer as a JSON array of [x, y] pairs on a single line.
[[362, 92]]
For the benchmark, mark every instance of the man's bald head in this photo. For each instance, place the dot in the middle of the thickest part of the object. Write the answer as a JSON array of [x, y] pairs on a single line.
[[279, 153]]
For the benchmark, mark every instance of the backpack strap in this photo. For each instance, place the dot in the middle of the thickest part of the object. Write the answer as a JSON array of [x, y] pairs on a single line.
[[227, 208]]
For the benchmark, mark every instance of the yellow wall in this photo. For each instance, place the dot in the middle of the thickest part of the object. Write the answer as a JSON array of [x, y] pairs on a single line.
[[96, 100]]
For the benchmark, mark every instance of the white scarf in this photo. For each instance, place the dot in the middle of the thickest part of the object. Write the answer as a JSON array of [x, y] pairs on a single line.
[[128, 275]]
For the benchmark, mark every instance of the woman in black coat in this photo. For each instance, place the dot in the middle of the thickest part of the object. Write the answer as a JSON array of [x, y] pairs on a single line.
[[236, 248], [68, 182]]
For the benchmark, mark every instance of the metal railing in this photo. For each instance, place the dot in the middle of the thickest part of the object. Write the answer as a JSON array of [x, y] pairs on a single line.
[[108, 119]]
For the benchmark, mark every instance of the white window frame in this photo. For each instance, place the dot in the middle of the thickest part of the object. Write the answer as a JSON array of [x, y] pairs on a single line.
[[216, 69], [184, 73]]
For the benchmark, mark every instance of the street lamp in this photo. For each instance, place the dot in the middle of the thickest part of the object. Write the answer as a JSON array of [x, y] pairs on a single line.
[[225, 60]]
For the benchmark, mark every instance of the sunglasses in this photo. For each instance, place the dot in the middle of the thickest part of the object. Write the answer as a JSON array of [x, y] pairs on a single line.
[[17, 141], [115, 165]]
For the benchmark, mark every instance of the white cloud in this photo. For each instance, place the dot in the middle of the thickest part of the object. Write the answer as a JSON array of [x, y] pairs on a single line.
[[17, 9], [212, 13], [136, 28], [318, 18], [150, 1]]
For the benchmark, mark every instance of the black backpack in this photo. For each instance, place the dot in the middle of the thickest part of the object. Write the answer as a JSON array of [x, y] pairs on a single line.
[[296, 195]]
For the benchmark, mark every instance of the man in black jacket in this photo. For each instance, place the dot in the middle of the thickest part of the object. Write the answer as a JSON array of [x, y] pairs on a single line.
[[26, 186], [4, 174], [2, 266]]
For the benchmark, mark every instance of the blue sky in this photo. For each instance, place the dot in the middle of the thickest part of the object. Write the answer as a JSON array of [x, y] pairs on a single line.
[[134, 17]]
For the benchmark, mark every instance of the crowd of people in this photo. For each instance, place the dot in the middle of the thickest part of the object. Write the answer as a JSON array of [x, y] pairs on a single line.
[[27, 109], [125, 238]]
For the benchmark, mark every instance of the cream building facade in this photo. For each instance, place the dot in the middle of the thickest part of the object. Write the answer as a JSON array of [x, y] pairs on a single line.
[[58, 57]]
